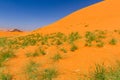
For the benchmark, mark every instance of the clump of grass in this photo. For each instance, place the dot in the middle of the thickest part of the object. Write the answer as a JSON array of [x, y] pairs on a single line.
[[42, 52], [58, 42], [57, 57], [104, 73], [32, 71], [49, 74], [3, 41], [73, 37], [4, 76], [113, 41], [95, 37], [114, 72], [73, 47], [90, 37], [35, 54], [100, 44], [5, 55], [44, 39], [99, 73], [63, 50]]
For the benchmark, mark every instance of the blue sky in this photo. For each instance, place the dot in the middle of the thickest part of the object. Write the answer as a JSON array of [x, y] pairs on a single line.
[[32, 14]]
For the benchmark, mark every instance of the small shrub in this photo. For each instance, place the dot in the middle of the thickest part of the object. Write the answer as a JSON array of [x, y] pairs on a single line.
[[63, 50], [89, 44], [3, 41], [113, 41], [100, 44], [99, 73], [5, 76], [90, 36], [32, 71], [5, 55], [73, 37], [49, 74], [73, 48], [44, 39], [57, 57], [35, 54], [42, 52], [58, 42]]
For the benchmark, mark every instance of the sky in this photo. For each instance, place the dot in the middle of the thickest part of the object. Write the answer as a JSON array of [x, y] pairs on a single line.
[[33, 14]]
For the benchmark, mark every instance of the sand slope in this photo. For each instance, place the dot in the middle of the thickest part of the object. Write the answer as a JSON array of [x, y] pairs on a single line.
[[104, 15]]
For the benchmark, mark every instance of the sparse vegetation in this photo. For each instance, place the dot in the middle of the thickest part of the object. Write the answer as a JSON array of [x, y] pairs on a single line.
[[99, 73], [90, 37], [57, 40], [73, 48], [32, 71], [113, 41], [104, 73], [4, 76], [5, 55], [35, 54], [49, 74], [63, 50], [42, 52], [57, 57], [3, 41], [95, 38], [100, 44], [73, 37]]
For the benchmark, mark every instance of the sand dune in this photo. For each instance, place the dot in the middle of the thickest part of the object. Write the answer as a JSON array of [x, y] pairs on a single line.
[[102, 16]]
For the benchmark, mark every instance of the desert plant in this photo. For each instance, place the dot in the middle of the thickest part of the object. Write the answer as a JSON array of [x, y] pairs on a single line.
[[3, 41], [57, 57], [5, 55], [100, 44], [73, 47], [114, 72], [4, 76], [41, 51], [73, 37], [104, 73], [63, 50], [90, 37], [49, 74], [32, 71], [58, 42], [99, 73], [34, 54], [113, 41], [44, 39]]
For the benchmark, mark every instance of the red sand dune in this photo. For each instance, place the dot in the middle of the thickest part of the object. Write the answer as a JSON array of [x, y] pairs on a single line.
[[104, 15]]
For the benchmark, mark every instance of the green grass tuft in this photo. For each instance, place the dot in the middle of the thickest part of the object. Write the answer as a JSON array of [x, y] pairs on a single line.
[[32, 71], [113, 41], [49, 74], [5, 76], [57, 57]]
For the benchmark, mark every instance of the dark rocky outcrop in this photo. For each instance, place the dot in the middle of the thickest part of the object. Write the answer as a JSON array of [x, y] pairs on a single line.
[[16, 30]]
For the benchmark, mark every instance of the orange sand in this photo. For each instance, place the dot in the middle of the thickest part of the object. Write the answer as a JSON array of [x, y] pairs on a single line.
[[10, 34]]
